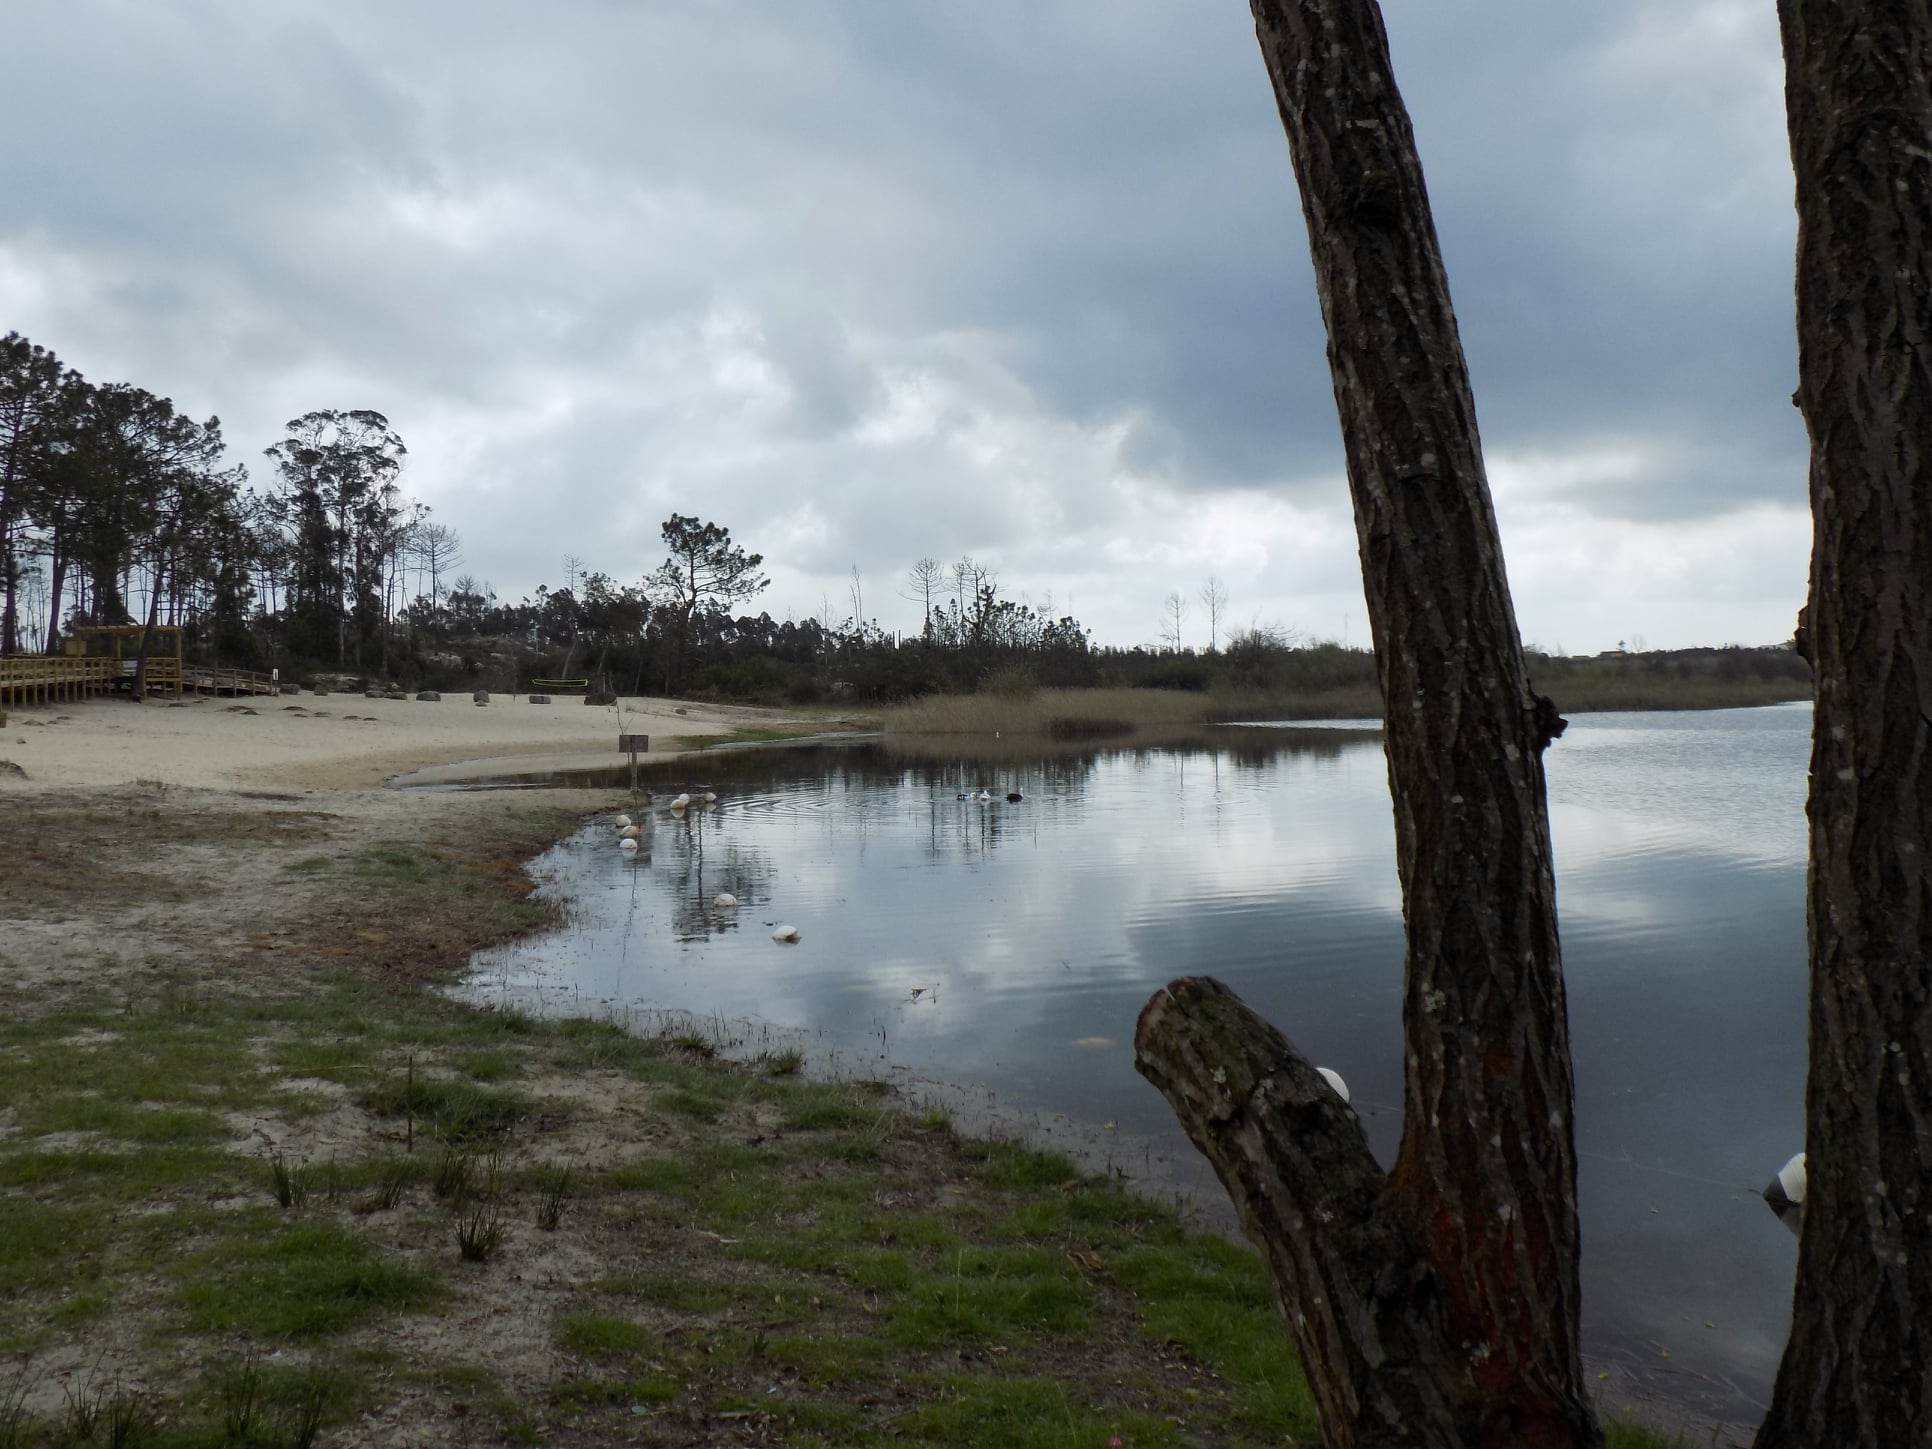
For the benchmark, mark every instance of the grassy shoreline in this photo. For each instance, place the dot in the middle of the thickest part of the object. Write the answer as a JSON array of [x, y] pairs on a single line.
[[290, 1194]]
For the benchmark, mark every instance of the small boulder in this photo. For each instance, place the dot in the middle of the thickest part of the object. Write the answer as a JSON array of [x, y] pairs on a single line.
[[600, 699], [428, 696], [482, 696], [539, 699], [396, 694], [12, 771]]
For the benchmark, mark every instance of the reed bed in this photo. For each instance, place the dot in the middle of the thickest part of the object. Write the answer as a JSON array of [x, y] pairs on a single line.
[[1100, 714], [1663, 692]]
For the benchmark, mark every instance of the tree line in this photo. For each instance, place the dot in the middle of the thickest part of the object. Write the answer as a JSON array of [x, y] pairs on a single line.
[[117, 508]]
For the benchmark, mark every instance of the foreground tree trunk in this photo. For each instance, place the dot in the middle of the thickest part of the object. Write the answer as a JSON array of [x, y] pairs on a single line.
[[1858, 1368], [1436, 1304]]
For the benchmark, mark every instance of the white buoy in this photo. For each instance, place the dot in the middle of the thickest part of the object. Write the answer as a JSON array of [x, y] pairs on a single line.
[[787, 934], [725, 901], [623, 821], [985, 797], [629, 832], [681, 802], [709, 798], [627, 845], [1334, 1079], [1787, 1189]]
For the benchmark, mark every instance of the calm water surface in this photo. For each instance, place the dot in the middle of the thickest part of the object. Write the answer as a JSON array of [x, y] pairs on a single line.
[[1012, 945]]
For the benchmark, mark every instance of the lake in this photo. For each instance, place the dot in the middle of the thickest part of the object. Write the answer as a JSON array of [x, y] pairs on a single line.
[[1006, 949]]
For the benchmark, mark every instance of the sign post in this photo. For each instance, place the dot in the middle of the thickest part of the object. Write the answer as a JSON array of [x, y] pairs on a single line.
[[631, 745]]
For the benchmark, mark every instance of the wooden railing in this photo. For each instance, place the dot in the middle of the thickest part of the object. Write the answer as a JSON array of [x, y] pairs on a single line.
[[228, 681], [54, 679], [47, 679]]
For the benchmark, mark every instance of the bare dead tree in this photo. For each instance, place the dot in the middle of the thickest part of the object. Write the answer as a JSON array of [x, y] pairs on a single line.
[[1214, 598], [924, 580], [438, 549], [1435, 1304], [1173, 610], [967, 578]]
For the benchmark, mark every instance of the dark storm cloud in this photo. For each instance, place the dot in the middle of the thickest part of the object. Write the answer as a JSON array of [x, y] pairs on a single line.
[[868, 282]]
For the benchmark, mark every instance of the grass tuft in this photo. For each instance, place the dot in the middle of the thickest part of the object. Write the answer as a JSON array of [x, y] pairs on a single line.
[[289, 1182], [553, 1198], [392, 1178], [451, 1178], [787, 1063], [480, 1232]]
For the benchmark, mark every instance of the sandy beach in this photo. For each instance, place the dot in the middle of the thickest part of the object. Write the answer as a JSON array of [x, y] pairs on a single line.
[[116, 818], [330, 742]]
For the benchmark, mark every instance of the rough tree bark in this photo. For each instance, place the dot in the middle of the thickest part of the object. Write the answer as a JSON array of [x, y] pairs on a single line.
[[1857, 1370], [1437, 1304]]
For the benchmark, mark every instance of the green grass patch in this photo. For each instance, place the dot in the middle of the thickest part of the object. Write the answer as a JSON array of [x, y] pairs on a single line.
[[988, 1294], [47, 1244], [697, 1106], [824, 1360], [818, 1107], [489, 1064], [41, 1116], [339, 1059], [1009, 1163], [295, 1280], [1097, 1211], [447, 1109], [705, 1171], [98, 1175], [599, 1335], [1020, 1412], [676, 1291], [625, 1395], [1216, 1300]]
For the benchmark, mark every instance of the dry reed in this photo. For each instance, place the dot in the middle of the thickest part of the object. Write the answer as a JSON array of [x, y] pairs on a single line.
[[1095, 714]]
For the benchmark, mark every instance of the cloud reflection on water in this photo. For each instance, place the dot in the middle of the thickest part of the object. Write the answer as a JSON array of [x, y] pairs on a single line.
[[1028, 931]]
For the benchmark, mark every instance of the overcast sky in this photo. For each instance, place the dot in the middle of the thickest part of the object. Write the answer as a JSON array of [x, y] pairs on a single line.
[[866, 280]]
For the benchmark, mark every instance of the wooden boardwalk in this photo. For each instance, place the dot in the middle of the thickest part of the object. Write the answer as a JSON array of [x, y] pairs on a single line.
[[28, 679], [197, 680]]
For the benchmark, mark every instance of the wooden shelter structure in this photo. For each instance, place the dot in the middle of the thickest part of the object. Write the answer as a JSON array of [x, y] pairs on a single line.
[[122, 643]]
